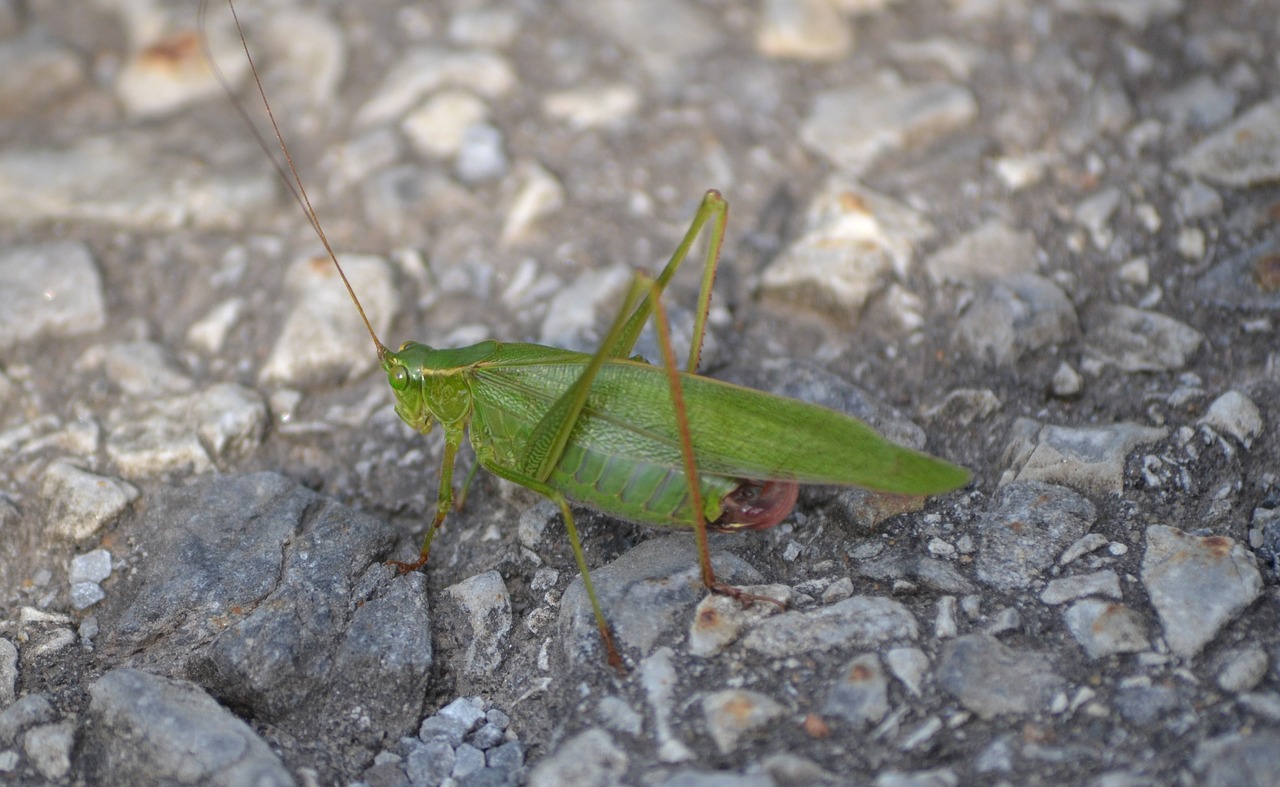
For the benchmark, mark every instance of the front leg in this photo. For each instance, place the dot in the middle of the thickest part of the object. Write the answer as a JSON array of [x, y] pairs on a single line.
[[453, 436]]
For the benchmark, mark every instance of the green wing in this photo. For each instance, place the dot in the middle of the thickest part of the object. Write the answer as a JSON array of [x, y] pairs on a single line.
[[736, 431]]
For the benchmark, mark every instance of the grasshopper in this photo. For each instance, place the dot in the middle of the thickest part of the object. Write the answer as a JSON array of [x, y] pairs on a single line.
[[640, 442]]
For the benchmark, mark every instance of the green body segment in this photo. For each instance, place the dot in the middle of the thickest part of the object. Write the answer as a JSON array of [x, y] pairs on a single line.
[[623, 455]]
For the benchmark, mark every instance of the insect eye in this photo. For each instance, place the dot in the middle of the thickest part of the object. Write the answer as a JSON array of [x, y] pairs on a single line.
[[399, 378]]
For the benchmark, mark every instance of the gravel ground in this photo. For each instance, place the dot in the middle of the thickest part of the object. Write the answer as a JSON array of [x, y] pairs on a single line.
[[1035, 239]]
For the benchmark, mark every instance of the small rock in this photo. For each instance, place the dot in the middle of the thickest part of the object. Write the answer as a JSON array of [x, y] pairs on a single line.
[[424, 70], [51, 290], [463, 711], [539, 195], [487, 605], [171, 72], [481, 157], [1243, 669], [1098, 583], [855, 126], [8, 673], [92, 566], [990, 678], [733, 713], [82, 503], [1241, 154], [909, 665], [658, 678], [1103, 628], [1196, 584], [448, 730], [86, 594], [429, 763], [1066, 382], [438, 127], [718, 620], [590, 757], [860, 694], [1025, 528], [1237, 758], [172, 434], [607, 106], [48, 747], [803, 30], [323, 337], [852, 239], [861, 621], [617, 715], [26, 712], [467, 761], [507, 757], [1236, 416], [1094, 214], [175, 718], [1013, 316], [646, 593], [1138, 341], [1088, 459]]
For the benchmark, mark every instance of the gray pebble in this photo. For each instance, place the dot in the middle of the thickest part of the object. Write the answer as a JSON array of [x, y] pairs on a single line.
[[508, 757], [497, 718], [990, 678], [487, 608], [1088, 459], [991, 251], [385, 774], [25, 712], [1236, 416], [1098, 583], [1103, 628], [177, 718], [1016, 315], [1147, 706], [85, 502], [860, 694], [734, 713], [92, 566], [1243, 669], [48, 747], [853, 238], [488, 736], [855, 126], [322, 338], [614, 713], [1196, 584], [1135, 340], [450, 730], [590, 757], [1236, 758], [481, 157], [659, 679], [8, 673], [1240, 154], [909, 665], [430, 764], [646, 593], [86, 594], [1025, 528], [464, 711], [51, 290], [467, 760], [861, 621]]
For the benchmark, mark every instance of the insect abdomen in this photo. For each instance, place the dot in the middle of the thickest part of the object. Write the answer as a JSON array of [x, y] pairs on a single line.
[[633, 489]]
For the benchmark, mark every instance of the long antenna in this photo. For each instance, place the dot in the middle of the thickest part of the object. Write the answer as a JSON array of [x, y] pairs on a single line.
[[290, 176]]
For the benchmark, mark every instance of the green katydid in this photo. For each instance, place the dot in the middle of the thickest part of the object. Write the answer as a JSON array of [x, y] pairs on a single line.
[[645, 443]]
